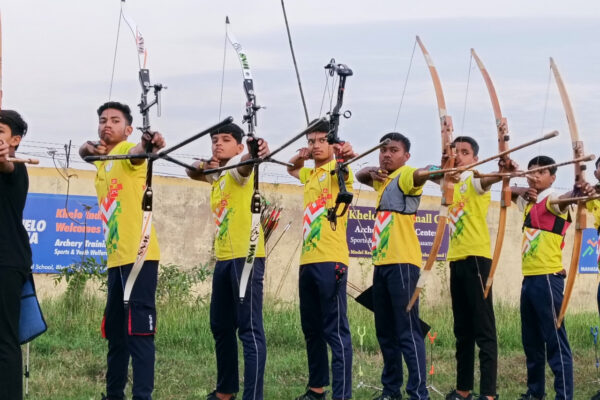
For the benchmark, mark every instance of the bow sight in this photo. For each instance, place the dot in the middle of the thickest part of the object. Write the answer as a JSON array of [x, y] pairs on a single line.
[[144, 105], [344, 196]]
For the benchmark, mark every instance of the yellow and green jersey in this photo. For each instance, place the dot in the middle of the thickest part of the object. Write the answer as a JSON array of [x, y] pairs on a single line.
[[120, 187], [230, 200], [469, 233], [394, 238], [541, 250], [320, 242], [593, 206]]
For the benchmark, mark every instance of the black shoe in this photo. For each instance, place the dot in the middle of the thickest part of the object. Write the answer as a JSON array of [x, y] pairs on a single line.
[[105, 397], [596, 396], [388, 397], [454, 395], [529, 396], [310, 395], [213, 396]]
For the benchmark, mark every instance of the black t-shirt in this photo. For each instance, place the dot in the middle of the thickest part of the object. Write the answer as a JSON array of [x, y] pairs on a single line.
[[15, 251]]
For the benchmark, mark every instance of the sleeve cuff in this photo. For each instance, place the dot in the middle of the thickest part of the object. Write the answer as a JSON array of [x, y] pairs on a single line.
[[521, 203], [235, 174], [477, 185]]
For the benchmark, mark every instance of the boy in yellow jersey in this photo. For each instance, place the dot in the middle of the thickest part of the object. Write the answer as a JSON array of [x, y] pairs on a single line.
[[230, 203], [593, 206], [544, 228], [470, 260], [397, 259], [15, 253], [120, 186], [323, 265]]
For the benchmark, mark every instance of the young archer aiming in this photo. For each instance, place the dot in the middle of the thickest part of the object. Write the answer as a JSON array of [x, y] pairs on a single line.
[[323, 265], [120, 186], [544, 227], [230, 201], [469, 254], [397, 258]]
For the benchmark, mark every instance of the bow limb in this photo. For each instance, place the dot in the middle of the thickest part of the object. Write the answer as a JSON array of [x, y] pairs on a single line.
[[255, 203], [448, 187], [503, 138], [580, 216], [144, 107]]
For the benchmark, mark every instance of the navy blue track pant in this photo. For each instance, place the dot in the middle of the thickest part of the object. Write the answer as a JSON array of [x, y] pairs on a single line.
[[541, 299], [11, 363], [228, 315], [323, 313], [398, 332], [474, 323], [131, 334]]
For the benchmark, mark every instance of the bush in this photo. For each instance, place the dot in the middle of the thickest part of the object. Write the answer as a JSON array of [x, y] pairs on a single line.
[[77, 275], [175, 283]]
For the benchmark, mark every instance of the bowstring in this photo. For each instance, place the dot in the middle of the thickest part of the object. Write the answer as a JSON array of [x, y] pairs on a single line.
[[223, 72], [112, 76], [325, 91], [405, 85], [464, 114], [545, 110], [223, 174]]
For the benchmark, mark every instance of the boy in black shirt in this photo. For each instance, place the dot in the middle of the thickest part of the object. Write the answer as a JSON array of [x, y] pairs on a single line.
[[15, 253]]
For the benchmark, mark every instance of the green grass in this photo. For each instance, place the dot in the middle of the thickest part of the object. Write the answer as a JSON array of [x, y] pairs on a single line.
[[68, 362]]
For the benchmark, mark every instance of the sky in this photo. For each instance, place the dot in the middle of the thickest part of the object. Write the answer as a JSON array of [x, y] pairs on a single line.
[[58, 58]]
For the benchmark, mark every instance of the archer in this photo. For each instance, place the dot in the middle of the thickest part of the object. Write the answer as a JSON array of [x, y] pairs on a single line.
[[230, 201], [120, 189], [323, 266]]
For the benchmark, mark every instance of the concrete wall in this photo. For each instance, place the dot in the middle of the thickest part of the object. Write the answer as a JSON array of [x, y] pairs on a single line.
[[185, 230]]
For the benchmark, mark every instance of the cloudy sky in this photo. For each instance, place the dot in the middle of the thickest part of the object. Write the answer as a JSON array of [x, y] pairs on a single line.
[[58, 58]]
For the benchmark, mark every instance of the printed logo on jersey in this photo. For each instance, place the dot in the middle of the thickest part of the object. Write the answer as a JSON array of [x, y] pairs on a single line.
[[381, 234], [110, 208], [312, 224], [456, 220], [531, 241], [222, 216]]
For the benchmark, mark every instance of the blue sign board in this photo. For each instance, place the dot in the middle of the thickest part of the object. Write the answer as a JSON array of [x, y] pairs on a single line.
[[588, 256], [62, 233]]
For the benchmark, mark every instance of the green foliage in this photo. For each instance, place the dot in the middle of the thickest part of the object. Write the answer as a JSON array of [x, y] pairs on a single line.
[[175, 283], [69, 361], [77, 275]]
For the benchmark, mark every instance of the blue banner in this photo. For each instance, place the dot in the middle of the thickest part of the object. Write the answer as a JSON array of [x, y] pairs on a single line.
[[63, 234], [588, 256]]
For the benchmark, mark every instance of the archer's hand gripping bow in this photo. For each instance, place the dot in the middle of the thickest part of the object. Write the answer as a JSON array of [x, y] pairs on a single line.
[[344, 196]]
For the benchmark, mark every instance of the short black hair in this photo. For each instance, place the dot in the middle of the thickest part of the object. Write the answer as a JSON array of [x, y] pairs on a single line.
[[597, 162], [115, 105], [470, 140], [322, 126], [397, 137], [541, 161], [16, 123], [233, 129]]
